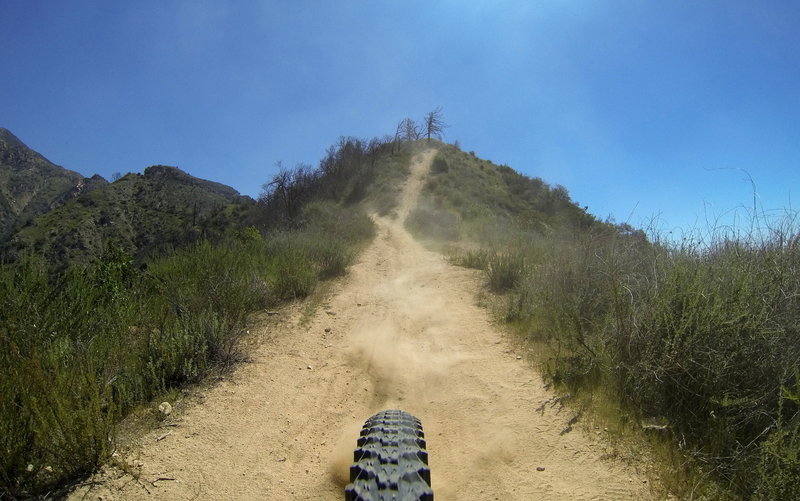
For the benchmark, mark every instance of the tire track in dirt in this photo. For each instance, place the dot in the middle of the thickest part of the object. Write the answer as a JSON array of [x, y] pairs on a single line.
[[404, 333]]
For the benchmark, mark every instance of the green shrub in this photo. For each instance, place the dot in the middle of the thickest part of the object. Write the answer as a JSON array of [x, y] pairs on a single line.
[[505, 270], [779, 466], [714, 347], [330, 255], [475, 259], [56, 407], [291, 272], [439, 165]]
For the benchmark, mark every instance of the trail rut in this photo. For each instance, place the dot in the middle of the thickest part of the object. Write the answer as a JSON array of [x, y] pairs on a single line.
[[404, 332]]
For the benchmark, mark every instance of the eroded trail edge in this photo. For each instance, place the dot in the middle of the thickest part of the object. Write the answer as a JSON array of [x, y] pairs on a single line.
[[402, 330]]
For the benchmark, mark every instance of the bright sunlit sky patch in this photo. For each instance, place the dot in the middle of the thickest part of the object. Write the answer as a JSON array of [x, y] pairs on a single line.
[[642, 110]]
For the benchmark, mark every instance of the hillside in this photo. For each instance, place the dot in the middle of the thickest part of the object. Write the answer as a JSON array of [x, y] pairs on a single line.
[[401, 331], [143, 213], [472, 199], [31, 185]]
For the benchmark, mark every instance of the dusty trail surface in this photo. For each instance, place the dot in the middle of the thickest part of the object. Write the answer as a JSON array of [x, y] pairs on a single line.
[[400, 331]]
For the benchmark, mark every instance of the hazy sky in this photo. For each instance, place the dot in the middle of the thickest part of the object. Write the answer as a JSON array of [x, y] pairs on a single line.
[[642, 109]]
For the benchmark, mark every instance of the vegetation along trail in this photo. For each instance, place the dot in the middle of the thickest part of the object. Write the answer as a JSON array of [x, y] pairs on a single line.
[[402, 330]]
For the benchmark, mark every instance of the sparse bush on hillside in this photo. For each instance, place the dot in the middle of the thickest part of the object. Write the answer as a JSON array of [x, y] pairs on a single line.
[[505, 270], [484, 195], [439, 165]]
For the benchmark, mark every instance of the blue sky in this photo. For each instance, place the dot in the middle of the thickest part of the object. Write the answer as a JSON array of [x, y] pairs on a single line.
[[643, 110]]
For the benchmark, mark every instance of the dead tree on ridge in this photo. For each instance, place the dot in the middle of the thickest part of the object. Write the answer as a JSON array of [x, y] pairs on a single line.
[[434, 124]]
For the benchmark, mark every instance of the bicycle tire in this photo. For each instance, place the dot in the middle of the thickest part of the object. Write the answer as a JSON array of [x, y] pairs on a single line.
[[390, 462]]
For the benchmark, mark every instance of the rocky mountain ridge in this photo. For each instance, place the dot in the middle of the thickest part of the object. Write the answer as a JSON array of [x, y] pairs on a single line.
[[31, 185], [58, 214]]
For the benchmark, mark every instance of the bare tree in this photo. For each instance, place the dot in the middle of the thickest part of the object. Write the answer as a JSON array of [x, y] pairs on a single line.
[[277, 191], [398, 136], [409, 130], [434, 124], [374, 148], [289, 189]]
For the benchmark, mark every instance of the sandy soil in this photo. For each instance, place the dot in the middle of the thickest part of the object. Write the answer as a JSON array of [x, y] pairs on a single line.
[[402, 330]]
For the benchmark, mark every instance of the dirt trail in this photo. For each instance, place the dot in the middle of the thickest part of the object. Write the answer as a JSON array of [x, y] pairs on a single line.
[[404, 333]]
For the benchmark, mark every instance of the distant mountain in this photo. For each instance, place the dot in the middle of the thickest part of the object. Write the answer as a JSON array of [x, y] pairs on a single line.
[[145, 214], [31, 185], [68, 219]]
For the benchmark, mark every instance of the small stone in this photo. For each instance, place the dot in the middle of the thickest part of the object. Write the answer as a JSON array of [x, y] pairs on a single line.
[[519, 357], [308, 367], [327, 329], [48, 469], [165, 408], [540, 468], [30, 466]]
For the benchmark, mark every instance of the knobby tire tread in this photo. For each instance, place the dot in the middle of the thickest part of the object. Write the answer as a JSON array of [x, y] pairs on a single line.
[[390, 463]]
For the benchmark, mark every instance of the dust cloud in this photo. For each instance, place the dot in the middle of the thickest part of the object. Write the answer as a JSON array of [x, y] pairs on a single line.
[[402, 371], [341, 456]]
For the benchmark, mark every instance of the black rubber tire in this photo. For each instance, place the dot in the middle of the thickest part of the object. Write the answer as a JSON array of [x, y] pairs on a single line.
[[391, 463]]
